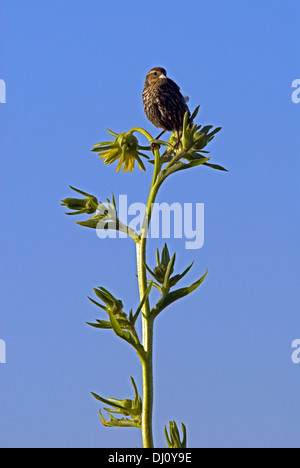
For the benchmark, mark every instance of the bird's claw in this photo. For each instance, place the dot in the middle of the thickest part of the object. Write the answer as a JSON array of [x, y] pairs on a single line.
[[177, 144], [155, 146]]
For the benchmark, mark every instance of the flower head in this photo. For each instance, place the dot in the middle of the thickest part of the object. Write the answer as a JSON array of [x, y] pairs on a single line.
[[113, 305], [164, 270], [124, 148], [194, 138], [81, 205]]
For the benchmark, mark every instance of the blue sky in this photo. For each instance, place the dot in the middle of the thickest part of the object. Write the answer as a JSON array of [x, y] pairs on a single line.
[[223, 355]]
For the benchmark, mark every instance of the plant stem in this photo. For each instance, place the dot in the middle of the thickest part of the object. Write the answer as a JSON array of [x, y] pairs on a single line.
[[147, 362], [147, 320], [147, 433]]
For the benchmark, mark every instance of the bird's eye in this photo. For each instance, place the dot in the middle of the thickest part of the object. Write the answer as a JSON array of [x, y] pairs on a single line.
[[155, 73]]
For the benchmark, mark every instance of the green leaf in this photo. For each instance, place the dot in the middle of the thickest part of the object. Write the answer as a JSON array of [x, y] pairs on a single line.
[[103, 324], [167, 300], [174, 440], [102, 149], [184, 127], [136, 393], [194, 114], [175, 279], [216, 166], [126, 335], [184, 440], [146, 295], [125, 407], [157, 257], [169, 272], [114, 202], [105, 296], [152, 273], [165, 256], [132, 407], [81, 192], [143, 155], [155, 285], [206, 129], [124, 422], [218, 129], [76, 213], [196, 162], [112, 133], [104, 143], [108, 401], [97, 303], [92, 222]]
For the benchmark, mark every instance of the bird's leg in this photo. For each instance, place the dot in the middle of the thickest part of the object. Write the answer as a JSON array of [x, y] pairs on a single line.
[[155, 145], [160, 135], [178, 143]]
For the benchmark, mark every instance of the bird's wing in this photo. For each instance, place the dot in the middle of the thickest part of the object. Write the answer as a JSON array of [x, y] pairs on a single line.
[[173, 84]]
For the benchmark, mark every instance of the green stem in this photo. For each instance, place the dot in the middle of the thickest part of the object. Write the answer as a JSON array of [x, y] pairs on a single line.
[[147, 320], [147, 362], [143, 132]]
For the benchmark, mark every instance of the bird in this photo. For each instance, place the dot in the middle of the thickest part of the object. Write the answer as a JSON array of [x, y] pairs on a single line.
[[164, 105]]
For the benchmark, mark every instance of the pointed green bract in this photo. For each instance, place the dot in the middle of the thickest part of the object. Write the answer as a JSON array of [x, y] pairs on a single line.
[[147, 293], [216, 166], [97, 303], [123, 422], [165, 256], [127, 407], [174, 440], [177, 278], [195, 163], [81, 192], [164, 269], [174, 296], [100, 324], [169, 271], [194, 114]]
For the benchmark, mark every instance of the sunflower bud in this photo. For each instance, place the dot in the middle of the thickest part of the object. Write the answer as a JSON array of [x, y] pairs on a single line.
[[174, 440], [131, 408], [164, 270], [112, 304], [194, 138], [81, 205]]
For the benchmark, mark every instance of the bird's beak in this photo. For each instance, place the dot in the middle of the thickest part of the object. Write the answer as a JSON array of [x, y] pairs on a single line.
[[162, 77]]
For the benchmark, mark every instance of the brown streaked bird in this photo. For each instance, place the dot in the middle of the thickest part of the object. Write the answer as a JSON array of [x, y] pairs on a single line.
[[164, 104]]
